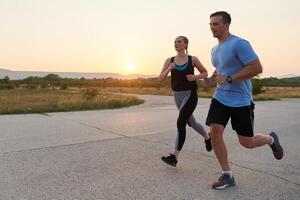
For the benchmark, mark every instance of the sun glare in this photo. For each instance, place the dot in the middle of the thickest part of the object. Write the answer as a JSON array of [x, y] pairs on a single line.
[[129, 68]]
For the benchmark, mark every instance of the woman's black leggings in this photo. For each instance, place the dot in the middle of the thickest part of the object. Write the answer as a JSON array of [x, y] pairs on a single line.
[[188, 105]]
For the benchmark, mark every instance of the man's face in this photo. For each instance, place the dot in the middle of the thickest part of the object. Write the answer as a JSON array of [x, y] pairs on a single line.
[[217, 26]]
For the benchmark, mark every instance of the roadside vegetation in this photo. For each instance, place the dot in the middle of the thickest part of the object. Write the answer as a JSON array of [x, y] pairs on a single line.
[[24, 100], [53, 93]]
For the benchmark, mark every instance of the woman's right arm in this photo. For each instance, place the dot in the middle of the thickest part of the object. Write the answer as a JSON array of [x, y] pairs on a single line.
[[165, 70]]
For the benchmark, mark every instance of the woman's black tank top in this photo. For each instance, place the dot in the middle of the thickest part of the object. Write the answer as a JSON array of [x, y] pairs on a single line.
[[179, 81]]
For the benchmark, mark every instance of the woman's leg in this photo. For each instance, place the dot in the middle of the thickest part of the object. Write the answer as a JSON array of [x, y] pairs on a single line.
[[184, 115], [198, 127]]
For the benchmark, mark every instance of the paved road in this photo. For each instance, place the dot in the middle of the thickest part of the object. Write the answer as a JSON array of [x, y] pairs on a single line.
[[115, 154]]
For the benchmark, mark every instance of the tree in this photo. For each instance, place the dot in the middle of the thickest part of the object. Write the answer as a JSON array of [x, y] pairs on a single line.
[[6, 79], [52, 77]]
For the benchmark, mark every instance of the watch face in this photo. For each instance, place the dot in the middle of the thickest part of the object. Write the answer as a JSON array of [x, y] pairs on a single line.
[[229, 79]]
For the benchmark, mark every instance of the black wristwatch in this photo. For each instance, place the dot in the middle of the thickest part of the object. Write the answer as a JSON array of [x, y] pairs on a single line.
[[229, 79]]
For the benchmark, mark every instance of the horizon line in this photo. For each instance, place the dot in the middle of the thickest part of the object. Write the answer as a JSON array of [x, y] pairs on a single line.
[[82, 72]]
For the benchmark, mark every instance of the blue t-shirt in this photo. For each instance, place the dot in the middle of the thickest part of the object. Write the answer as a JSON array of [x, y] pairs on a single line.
[[229, 58]]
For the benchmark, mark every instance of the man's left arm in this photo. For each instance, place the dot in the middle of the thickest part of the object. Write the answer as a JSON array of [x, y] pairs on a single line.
[[249, 71], [252, 69], [252, 65]]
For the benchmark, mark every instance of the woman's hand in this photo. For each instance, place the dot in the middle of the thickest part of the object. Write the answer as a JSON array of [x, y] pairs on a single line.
[[191, 77], [171, 66]]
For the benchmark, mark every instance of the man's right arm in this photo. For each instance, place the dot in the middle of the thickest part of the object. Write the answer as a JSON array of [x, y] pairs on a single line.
[[210, 80]]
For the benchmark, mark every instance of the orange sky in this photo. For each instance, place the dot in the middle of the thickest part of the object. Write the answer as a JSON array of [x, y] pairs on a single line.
[[137, 36]]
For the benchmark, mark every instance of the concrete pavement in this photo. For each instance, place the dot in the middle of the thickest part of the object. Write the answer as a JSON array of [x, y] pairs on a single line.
[[115, 154]]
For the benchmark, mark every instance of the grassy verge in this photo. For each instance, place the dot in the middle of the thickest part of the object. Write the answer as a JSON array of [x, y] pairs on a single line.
[[74, 99], [46, 100], [280, 92]]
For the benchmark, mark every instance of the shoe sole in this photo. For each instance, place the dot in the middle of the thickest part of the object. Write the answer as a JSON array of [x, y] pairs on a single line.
[[223, 187]]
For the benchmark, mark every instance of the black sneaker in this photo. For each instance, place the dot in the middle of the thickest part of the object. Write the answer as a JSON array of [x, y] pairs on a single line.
[[223, 182], [276, 147], [170, 160], [208, 144]]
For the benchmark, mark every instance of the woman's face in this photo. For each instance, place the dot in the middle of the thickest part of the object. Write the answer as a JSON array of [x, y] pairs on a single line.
[[179, 44]]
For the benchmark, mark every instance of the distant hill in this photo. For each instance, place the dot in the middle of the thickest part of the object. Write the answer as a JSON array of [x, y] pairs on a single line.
[[288, 76], [19, 75]]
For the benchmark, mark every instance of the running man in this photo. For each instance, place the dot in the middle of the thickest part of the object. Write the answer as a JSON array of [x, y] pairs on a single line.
[[236, 63]]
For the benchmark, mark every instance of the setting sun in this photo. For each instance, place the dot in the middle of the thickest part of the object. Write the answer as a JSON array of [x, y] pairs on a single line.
[[129, 68]]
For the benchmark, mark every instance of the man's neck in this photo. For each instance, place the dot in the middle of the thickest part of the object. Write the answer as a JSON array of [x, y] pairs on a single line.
[[224, 37]]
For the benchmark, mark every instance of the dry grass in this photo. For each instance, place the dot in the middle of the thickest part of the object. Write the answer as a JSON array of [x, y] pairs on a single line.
[[280, 92], [44, 100], [53, 100]]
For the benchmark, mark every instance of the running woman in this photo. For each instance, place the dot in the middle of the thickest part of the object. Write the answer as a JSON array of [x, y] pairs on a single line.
[[184, 88]]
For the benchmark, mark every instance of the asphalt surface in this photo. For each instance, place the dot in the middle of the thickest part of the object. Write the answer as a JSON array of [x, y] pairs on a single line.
[[115, 154]]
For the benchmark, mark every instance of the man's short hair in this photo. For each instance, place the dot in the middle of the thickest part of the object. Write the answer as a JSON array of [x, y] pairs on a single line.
[[225, 15]]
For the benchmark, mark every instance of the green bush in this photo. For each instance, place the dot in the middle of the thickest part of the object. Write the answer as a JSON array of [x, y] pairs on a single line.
[[52, 77], [8, 86], [257, 86]]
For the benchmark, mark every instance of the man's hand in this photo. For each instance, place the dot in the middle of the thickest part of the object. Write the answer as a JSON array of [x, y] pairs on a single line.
[[220, 79], [205, 83]]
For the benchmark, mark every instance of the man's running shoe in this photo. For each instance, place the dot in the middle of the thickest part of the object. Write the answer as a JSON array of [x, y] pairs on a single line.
[[223, 182], [276, 147]]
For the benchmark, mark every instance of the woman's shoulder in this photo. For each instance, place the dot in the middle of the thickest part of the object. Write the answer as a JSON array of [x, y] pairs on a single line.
[[171, 59], [168, 60], [194, 58]]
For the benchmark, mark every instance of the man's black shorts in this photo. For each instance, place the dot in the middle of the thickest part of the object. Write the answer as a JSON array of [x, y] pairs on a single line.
[[242, 118]]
